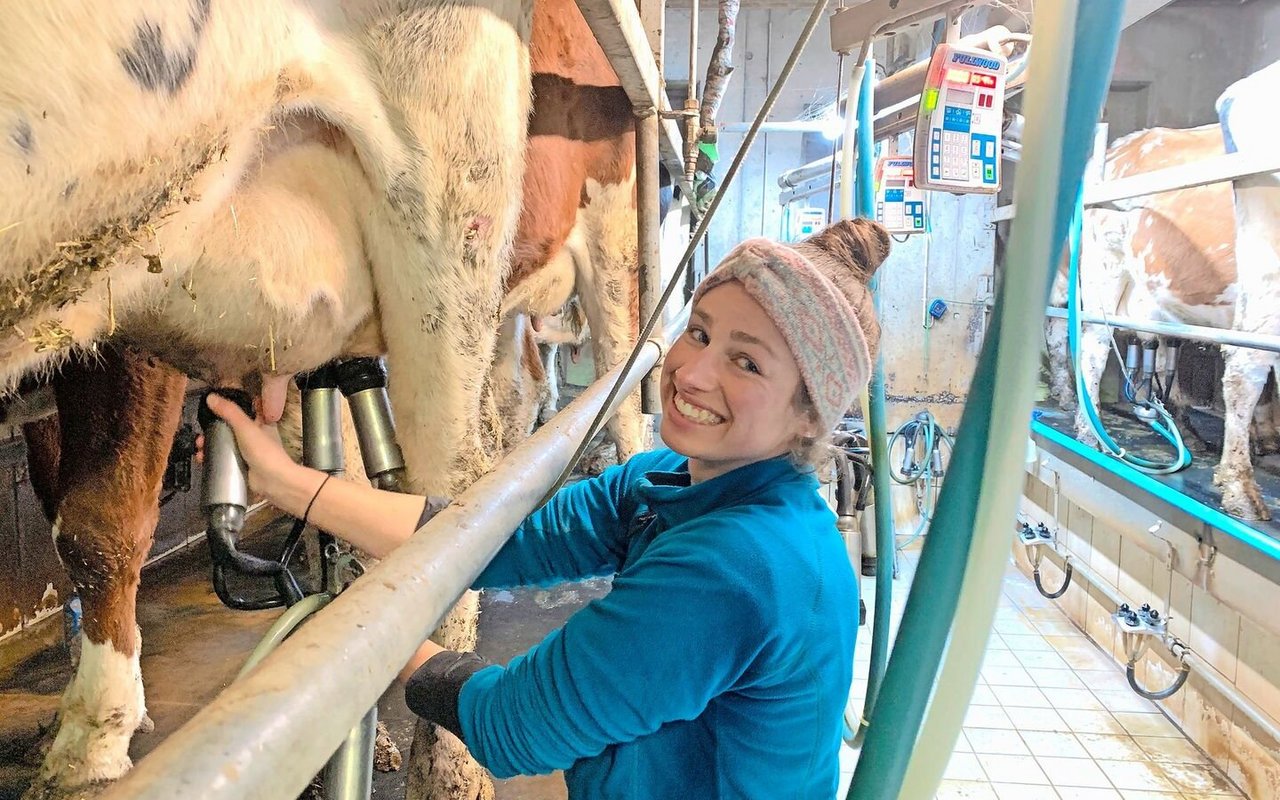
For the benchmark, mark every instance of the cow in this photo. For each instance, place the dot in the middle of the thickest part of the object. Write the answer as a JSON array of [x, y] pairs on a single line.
[[525, 369], [121, 408], [577, 234], [1160, 257], [236, 189], [1248, 118], [1167, 257]]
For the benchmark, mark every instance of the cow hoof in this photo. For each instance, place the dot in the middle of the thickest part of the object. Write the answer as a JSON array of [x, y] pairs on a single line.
[[1242, 503], [147, 725], [386, 756]]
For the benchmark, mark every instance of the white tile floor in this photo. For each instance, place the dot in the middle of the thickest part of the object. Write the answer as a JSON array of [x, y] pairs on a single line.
[[1052, 716]]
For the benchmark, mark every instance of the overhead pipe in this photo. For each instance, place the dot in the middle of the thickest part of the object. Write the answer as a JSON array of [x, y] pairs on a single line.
[[895, 92], [692, 108]]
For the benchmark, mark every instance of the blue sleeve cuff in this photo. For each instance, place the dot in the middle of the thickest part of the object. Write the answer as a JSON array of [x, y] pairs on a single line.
[[475, 687]]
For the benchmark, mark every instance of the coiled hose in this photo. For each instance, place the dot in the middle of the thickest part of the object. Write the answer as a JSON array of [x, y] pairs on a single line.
[[922, 465]]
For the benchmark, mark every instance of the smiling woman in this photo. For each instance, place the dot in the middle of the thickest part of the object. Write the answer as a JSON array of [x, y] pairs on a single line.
[[729, 387], [731, 584]]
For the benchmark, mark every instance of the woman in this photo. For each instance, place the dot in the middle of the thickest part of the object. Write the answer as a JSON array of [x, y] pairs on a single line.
[[720, 661]]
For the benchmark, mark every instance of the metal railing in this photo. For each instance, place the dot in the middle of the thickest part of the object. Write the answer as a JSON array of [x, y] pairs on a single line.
[[1196, 333], [1218, 169], [305, 697]]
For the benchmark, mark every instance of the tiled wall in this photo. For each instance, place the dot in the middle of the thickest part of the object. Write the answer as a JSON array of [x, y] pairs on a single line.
[[1231, 624]]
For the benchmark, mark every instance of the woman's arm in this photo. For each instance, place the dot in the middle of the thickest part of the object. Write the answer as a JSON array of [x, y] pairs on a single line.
[[373, 520]]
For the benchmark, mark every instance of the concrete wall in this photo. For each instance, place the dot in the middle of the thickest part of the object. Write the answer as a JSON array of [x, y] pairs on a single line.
[[1263, 22], [1172, 66]]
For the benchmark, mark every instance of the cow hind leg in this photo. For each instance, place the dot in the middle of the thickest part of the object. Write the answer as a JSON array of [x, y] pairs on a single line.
[[551, 396], [1061, 379], [608, 287], [1178, 404], [1095, 345], [439, 249], [117, 417], [1265, 438], [1243, 380]]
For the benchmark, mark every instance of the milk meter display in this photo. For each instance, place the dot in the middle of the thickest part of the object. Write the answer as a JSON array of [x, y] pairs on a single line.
[[900, 204], [957, 142], [805, 221]]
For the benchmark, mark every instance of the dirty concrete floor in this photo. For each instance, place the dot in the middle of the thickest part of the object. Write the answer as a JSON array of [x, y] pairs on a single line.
[[193, 647]]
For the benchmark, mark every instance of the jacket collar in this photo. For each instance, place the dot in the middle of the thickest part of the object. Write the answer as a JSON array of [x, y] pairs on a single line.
[[674, 499]]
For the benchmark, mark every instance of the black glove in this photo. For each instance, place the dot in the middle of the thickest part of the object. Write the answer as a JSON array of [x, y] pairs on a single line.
[[432, 692]]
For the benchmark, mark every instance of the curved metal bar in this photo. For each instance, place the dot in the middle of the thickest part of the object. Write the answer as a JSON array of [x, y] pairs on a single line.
[[1163, 694], [1035, 573]]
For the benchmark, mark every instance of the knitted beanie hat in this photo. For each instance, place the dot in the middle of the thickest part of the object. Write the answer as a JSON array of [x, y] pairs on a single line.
[[815, 291]]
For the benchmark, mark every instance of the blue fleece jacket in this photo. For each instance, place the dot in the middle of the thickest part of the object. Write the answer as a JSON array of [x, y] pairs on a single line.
[[717, 666]]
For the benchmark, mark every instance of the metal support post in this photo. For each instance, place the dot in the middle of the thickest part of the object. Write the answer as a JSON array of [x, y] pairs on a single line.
[[648, 215]]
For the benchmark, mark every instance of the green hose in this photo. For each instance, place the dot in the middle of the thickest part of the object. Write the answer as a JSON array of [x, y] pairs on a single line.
[[969, 541], [284, 625]]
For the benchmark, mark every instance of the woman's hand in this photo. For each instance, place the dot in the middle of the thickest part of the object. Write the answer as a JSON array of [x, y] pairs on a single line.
[[271, 472]]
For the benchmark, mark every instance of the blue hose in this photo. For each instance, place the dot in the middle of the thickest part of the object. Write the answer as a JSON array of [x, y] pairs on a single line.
[[1162, 423]]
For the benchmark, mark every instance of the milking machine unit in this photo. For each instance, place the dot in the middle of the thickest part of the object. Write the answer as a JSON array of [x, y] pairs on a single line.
[[922, 467], [852, 458], [851, 454], [349, 772], [364, 382], [224, 500], [225, 492], [1143, 386]]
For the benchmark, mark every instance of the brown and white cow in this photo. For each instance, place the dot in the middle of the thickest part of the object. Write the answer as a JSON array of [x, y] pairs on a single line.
[[121, 409], [577, 234], [1168, 257], [236, 187], [1247, 113]]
